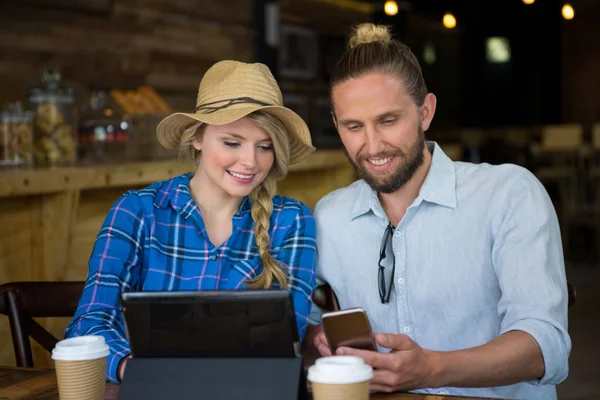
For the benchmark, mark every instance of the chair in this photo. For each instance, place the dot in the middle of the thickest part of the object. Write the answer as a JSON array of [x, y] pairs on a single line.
[[560, 161], [324, 297], [566, 137], [23, 301]]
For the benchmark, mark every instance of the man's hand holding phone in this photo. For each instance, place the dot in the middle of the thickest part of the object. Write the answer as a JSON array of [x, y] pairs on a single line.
[[407, 366], [320, 343]]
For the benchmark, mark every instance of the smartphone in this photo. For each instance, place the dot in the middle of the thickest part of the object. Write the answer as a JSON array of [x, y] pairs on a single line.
[[348, 328]]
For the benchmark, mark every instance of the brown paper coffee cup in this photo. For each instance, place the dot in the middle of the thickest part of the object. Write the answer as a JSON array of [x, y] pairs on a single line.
[[350, 391], [340, 377], [80, 364], [81, 380]]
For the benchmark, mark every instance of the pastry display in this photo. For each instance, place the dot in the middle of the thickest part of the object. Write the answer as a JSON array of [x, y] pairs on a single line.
[[54, 139], [16, 146], [143, 100]]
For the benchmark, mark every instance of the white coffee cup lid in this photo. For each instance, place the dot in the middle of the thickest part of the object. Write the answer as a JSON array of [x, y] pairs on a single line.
[[80, 348], [340, 370]]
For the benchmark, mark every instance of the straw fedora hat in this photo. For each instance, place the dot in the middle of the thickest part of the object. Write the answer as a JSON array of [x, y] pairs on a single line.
[[230, 90]]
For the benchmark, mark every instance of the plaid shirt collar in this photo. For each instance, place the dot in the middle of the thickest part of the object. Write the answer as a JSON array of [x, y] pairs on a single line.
[[176, 192]]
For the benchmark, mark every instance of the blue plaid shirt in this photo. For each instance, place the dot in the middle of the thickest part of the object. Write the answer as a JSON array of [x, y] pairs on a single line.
[[155, 239]]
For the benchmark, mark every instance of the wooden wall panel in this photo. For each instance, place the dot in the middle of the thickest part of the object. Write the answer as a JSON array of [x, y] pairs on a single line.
[[167, 44], [325, 17], [15, 233], [126, 43], [15, 257]]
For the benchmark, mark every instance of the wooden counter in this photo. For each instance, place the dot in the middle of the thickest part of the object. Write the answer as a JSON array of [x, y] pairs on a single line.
[[19, 182], [49, 218]]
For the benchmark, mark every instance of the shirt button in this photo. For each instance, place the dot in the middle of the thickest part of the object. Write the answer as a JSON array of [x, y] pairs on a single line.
[[398, 234], [400, 281], [406, 329], [213, 257]]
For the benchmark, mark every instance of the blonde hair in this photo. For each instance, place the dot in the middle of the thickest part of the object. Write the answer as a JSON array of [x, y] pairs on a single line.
[[367, 33], [261, 197], [371, 49]]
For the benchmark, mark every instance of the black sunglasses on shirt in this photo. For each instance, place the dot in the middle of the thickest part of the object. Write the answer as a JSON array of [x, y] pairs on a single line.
[[385, 291]]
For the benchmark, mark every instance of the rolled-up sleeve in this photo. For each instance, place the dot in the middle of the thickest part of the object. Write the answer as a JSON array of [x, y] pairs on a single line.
[[114, 267], [528, 260]]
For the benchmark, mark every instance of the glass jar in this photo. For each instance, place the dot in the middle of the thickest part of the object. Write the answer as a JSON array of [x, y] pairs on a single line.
[[16, 140], [55, 141]]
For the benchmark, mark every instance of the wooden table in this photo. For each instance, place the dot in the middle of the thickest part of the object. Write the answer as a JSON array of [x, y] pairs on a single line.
[[25, 383]]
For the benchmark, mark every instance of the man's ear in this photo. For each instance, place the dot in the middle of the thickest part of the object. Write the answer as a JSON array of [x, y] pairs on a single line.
[[428, 110], [333, 117]]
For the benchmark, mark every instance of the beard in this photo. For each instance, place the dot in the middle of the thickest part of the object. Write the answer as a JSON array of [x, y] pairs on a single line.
[[409, 164]]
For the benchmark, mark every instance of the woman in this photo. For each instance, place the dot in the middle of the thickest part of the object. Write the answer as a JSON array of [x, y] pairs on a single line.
[[221, 227]]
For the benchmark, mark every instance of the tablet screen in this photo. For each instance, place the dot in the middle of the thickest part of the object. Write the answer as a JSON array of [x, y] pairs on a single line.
[[241, 323]]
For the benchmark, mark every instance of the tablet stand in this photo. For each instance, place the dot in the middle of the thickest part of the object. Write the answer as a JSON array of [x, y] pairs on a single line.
[[214, 378]]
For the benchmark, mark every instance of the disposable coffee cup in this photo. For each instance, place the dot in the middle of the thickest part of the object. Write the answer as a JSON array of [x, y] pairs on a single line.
[[80, 364], [340, 377]]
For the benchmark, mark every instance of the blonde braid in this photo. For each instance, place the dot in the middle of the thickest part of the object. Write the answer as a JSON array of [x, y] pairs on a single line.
[[262, 208], [262, 203]]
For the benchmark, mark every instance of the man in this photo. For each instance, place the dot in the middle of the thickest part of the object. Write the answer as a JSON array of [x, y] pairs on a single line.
[[458, 266]]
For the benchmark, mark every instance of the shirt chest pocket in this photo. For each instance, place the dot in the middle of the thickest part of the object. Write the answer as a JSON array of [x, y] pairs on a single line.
[[242, 270]]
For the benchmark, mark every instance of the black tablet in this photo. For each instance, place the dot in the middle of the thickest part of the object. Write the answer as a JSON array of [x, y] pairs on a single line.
[[240, 323]]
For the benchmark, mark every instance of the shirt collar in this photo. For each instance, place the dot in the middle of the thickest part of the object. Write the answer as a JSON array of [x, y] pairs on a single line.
[[176, 191], [439, 186]]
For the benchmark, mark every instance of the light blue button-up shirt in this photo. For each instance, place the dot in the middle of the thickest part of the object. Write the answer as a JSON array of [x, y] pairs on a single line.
[[478, 254]]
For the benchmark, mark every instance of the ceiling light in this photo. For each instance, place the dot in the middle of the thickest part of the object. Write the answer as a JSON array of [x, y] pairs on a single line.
[[568, 12], [390, 8], [449, 21]]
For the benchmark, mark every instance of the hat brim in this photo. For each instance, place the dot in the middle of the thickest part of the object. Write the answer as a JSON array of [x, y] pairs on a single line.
[[170, 129]]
